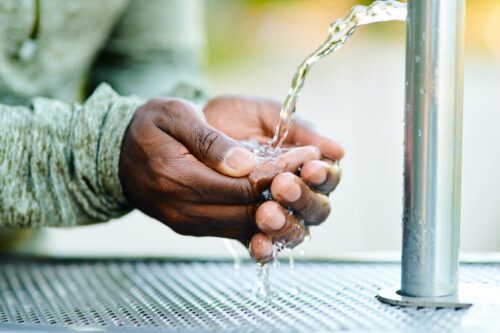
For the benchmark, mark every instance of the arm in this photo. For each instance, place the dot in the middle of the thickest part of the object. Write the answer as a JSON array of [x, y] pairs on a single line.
[[59, 163], [156, 49]]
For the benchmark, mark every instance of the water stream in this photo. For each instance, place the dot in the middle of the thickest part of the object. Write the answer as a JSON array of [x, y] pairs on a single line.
[[338, 33], [234, 254]]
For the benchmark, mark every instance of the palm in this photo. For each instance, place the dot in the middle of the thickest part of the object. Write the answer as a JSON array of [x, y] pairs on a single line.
[[245, 118]]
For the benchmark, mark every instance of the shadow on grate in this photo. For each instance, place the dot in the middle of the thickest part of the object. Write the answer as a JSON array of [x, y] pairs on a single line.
[[212, 296]]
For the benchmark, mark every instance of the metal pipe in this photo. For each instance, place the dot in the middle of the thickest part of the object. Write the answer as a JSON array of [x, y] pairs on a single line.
[[433, 147]]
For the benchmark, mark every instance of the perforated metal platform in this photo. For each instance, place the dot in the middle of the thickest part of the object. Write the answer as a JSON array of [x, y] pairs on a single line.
[[212, 296]]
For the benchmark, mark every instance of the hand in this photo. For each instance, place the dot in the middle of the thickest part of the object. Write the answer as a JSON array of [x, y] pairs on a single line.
[[178, 169], [244, 118]]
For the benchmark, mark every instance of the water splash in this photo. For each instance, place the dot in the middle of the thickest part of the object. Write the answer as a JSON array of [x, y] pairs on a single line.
[[338, 33], [262, 288], [262, 151]]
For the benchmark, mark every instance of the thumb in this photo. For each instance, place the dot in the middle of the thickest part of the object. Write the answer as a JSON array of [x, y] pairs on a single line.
[[219, 151], [206, 143]]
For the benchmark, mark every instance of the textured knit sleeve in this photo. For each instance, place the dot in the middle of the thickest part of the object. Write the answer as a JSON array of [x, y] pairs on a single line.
[[156, 49], [59, 163]]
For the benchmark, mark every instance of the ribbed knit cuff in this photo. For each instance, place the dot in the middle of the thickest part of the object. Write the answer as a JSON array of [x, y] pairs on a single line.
[[113, 128]]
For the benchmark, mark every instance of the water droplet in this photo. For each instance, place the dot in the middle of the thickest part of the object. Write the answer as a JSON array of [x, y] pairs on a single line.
[[422, 91], [294, 291], [418, 58], [419, 132]]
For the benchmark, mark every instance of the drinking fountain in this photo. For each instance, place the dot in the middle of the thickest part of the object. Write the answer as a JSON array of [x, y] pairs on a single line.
[[433, 160]]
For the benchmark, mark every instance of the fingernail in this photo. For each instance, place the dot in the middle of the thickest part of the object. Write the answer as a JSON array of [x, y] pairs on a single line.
[[274, 220], [292, 191], [239, 158], [261, 247], [319, 175]]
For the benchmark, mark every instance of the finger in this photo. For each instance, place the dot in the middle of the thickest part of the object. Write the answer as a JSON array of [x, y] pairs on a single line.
[[194, 181], [292, 192], [223, 189], [304, 134], [229, 221], [290, 161], [204, 185], [261, 248], [269, 217], [174, 173], [279, 224], [182, 121], [321, 176]]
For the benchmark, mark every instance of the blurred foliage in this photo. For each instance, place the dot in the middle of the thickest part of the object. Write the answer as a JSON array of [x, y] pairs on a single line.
[[265, 2], [239, 29]]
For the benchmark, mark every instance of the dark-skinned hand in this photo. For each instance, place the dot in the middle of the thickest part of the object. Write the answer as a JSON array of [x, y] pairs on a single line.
[[190, 173]]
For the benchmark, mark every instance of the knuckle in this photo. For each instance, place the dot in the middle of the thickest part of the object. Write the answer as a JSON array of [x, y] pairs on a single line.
[[174, 105], [173, 108], [205, 140], [177, 107], [247, 191], [168, 110], [157, 102]]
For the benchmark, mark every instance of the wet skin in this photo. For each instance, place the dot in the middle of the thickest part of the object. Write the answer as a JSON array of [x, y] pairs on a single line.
[[186, 169]]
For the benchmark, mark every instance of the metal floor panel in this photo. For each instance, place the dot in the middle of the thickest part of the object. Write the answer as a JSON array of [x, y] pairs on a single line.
[[212, 296]]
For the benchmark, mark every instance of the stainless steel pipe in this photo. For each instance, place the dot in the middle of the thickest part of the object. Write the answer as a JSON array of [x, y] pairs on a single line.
[[433, 147]]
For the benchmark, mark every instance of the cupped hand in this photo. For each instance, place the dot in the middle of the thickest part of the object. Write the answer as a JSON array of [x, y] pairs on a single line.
[[177, 168], [299, 196], [248, 118]]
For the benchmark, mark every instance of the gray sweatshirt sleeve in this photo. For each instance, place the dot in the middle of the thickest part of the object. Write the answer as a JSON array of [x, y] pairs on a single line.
[[156, 49], [59, 163]]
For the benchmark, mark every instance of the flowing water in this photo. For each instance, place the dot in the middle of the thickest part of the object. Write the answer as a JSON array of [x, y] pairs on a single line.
[[338, 33], [234, 254], [262, 287]]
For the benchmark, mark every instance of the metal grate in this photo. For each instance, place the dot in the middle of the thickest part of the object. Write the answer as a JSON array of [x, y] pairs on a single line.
[[212, 296]]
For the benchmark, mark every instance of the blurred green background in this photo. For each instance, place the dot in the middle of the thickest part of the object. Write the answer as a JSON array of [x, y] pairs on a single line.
[[247, 28], [355, 96]]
